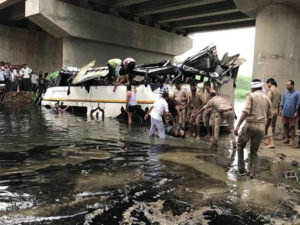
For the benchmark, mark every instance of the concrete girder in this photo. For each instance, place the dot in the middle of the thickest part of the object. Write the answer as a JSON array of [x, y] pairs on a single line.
[[219, 23], [6, 3], [213, 20], [196, 12], [65, 20], [215, 27], [155, 7], [125, 3]]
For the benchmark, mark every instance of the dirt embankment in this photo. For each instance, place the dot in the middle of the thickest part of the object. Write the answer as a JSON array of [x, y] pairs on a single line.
[[18, 97]]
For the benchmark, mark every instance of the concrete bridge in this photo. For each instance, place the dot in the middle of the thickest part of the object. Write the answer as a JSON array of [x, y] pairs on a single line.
[[54, 33]]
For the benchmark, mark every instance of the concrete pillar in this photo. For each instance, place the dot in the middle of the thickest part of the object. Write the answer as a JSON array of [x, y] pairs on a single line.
[[277, 44]]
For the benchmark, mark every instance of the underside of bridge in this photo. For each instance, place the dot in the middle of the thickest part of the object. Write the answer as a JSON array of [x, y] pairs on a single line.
[[73, 32], [55, 33]]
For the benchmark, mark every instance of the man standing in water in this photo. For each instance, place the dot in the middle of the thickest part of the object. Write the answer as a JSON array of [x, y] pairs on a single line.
[[181, 96], [157, 111], [130, 102], [257, 113], [289, 112], [209, 113], [196, 101], [275, 98], [225, 112]]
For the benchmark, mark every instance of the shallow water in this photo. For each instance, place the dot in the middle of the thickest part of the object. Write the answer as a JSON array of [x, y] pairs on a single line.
[[66, 169]]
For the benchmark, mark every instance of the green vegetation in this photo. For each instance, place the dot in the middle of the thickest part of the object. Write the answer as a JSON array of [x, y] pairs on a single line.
[[242, 87]]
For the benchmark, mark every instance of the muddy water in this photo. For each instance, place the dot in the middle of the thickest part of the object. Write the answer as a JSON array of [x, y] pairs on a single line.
[[65, 169]]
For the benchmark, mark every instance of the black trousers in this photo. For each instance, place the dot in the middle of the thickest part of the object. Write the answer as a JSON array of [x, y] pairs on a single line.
[[26, 84]]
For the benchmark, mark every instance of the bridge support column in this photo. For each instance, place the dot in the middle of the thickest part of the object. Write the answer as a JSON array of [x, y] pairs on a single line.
[[277, 44]]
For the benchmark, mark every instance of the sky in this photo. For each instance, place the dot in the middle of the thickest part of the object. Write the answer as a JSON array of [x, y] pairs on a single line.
[[233, 41]]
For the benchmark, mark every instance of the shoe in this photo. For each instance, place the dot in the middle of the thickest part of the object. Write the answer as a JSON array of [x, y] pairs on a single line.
[[234, 145], [213, 142], [286, 141], [243, 171]]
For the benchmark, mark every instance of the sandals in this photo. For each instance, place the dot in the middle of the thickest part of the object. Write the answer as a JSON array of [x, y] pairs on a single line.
[[252, 175], [244, 172], [271, 146]]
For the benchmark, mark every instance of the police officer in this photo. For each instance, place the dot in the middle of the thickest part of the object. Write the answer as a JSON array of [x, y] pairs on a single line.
[[181, 96], [209, 114], [257, 113], [196, 101], [224, 112]]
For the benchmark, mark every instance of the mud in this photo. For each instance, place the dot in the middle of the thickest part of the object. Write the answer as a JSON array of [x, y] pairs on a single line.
[[64, 169]]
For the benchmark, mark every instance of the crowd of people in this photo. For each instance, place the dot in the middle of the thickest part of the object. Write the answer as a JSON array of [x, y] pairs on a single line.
[[20, 77], [180, 114]]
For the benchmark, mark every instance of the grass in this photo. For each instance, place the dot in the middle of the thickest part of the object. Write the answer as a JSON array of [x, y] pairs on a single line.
[[242, 87]]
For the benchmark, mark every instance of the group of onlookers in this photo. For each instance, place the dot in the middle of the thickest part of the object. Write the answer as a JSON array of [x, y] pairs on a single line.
[[19, 77]]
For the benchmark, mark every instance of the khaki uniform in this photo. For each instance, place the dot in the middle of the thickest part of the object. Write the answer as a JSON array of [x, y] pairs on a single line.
[[275, 98], [196, 102], [209, 114], [189, 110], [258, 109], [182, 98], [224, 112], [190, 107]]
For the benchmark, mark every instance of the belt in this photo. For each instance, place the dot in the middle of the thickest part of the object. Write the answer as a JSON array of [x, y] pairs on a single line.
[[226, 110], [255, 123]]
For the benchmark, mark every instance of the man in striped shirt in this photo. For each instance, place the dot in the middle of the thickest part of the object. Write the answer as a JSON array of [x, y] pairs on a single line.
[[163, 88]]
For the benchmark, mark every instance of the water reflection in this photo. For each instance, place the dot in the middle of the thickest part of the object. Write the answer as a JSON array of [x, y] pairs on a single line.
[[63, 169]]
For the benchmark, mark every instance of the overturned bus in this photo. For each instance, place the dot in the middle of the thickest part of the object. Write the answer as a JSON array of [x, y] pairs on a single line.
[[87, 88]]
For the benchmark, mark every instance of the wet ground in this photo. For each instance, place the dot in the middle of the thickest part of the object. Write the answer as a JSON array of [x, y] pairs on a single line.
[[65, 169]]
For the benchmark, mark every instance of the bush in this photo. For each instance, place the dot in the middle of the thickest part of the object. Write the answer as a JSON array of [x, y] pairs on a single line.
[[242, 87]]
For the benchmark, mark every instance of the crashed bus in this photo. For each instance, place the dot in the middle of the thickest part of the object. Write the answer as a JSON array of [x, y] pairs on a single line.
[[87, 88]]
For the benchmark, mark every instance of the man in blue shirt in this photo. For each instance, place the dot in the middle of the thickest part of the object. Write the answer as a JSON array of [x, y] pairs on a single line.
[[288, 110]]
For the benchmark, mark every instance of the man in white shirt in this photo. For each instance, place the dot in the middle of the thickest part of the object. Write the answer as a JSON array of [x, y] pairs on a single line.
[[157, 111], [26, 71], [2, 79], [34, 81]]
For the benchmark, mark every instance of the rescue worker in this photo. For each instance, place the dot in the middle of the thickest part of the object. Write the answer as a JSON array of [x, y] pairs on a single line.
[[162, 87], [225, 112], [157, 111], [114, 66], [189, 109], [125, 72], [181, 96], [197, 100], [275, 98], [128, 66], [257, 113], [209, 114]]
